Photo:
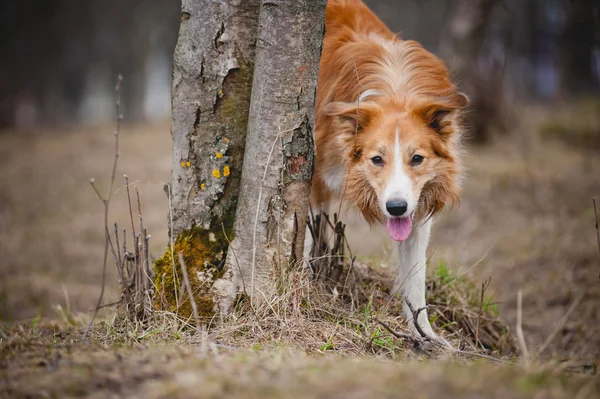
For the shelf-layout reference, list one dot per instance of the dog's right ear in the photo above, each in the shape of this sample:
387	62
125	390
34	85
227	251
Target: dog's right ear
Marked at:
354	115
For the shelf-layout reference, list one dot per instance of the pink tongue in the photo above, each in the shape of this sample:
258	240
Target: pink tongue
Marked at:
399	228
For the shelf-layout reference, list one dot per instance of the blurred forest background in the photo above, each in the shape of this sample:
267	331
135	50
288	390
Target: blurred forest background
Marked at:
530	67
61	57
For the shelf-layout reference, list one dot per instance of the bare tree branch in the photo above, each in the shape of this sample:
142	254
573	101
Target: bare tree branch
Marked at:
106	202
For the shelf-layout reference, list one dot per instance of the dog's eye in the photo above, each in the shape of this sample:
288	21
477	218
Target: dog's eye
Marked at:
377	160
416	160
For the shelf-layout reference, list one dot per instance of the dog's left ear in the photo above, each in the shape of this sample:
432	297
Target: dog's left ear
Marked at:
354	115
439	114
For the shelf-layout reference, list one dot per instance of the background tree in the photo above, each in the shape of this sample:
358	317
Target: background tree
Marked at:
579	44
271	219
212	81
461	47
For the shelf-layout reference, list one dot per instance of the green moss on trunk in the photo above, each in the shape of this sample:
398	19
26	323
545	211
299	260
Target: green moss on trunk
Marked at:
204	254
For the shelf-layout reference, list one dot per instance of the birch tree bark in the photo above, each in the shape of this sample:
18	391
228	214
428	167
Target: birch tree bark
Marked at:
276	177
212	81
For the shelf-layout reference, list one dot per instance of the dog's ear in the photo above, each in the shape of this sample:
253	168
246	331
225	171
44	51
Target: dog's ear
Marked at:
354	115
441	113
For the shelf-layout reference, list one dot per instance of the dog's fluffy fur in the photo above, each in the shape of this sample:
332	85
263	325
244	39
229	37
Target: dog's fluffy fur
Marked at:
387	129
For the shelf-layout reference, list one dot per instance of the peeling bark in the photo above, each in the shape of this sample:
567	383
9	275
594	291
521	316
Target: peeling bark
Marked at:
276	177
212	81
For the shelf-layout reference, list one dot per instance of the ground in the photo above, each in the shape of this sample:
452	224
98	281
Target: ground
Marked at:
525	219
180	372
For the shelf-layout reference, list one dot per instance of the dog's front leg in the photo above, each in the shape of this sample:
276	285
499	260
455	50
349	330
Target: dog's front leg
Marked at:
410	279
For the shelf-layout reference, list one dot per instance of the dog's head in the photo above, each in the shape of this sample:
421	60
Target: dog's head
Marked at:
402	163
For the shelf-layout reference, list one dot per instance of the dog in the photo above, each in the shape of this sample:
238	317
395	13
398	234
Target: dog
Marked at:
387	137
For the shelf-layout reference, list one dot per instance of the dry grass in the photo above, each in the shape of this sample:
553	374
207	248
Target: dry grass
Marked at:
302	315
48	360
525	220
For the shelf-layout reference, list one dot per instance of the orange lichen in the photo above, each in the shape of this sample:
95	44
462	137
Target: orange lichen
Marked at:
226	170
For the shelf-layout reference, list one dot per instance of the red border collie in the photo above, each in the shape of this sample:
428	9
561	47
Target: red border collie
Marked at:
387	134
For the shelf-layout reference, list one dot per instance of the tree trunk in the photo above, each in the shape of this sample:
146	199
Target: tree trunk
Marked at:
580	36
278	165
212	80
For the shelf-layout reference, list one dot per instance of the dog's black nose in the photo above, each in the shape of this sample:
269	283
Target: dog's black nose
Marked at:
396	208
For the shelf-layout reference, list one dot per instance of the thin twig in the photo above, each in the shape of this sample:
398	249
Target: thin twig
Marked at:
188	287
129	201
260	191
467	270
172	247
252	273
596	224
484	286
355	132
400	335
93	184
418	342
235	258
106	305
520	335
357	100
560	325
118	251
415	314
145	275
106	202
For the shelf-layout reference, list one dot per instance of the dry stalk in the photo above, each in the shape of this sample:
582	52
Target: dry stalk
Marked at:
560	325
596	223
135	274
520	335
260	191
146	273
106	202
172	249
484	286
328	262
468	269
188	287
355	131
